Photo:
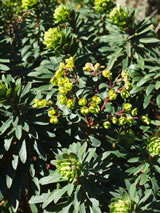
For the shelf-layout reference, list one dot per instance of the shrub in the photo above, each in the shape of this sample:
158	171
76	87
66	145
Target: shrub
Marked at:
79	108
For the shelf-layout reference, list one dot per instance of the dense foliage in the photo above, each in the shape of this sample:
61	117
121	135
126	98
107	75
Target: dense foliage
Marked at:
79	108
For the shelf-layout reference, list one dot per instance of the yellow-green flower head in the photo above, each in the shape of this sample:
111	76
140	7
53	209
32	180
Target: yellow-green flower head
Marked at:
125	94
88	67
51	112
130	120
96	99
28	3
82	101
54	119
94	108
114	120
62	99
154	146
112	95
119	16
122	120
70	103
42	103
134	112
127	107
146	119
61	13
70	63
106	73
106	124
59	73
102	6
121	206
54	38
69	168
84	110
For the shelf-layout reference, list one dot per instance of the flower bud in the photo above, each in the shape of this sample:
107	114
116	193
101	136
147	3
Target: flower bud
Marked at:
125	94
84	110
51	112
146	119
112	95
82	101
122	120
127	107
54	120
134	112
62	99
62	90
70	63
106	73
107	124
96	99
88	67
130	120
114	120
70	103
94	108
42	103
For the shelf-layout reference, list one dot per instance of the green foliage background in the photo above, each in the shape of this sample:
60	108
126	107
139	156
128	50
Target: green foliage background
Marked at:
80	161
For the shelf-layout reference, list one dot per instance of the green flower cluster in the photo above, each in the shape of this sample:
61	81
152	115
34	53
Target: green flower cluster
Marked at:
54	38
28	3
64	85
69	167
93	105
62	68
61	13
40	103
53	117
154	146
126	80
119	16
121	206
102	6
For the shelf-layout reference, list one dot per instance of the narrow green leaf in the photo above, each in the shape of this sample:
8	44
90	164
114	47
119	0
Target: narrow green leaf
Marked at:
149	89
23	152
18	132
147	100
38	199
15	162
54	178
158	100
9	181
4	67
157	85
